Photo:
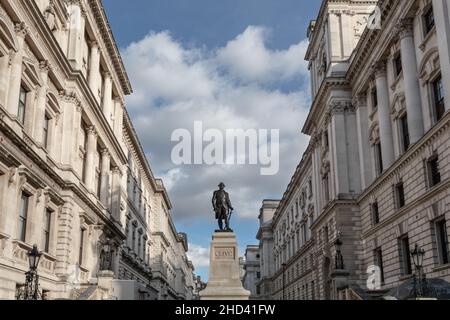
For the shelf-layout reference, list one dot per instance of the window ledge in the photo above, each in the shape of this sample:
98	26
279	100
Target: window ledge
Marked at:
397	79
427	38
443	267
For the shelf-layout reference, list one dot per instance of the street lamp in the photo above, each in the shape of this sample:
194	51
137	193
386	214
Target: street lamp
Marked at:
31	290
284	280
34	256
418	255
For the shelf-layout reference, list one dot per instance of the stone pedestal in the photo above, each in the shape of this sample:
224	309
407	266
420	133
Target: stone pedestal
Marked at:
224	278
105	283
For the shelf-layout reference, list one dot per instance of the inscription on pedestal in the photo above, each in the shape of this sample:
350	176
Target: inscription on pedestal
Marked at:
224	253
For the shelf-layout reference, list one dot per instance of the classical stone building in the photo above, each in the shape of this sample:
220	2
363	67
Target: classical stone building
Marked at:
252	270
73	177
374	180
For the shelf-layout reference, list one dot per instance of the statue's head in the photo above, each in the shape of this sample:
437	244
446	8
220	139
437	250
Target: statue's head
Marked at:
221	185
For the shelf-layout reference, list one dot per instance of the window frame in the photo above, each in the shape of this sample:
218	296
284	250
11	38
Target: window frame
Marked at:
405	255
47	229
378	261
438	95
81	246
441	235
427	26
46	131
24	208
430	174
397	64
404	132
22	104
400	196
375	213
378	155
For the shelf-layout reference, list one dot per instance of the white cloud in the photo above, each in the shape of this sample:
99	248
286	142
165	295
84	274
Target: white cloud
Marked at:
199	255
175	86
249	60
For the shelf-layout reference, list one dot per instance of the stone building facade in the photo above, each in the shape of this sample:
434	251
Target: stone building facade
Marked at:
378	160
252	272
68	154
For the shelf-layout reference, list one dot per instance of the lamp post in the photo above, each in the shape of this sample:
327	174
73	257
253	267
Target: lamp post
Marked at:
284	280
31	277
418	255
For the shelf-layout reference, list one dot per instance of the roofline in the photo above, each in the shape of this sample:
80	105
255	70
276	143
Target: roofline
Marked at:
108	36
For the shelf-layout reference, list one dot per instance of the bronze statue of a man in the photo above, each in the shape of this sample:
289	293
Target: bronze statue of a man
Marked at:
222	207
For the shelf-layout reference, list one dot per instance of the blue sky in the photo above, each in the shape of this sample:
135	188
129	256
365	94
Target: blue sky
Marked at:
230	64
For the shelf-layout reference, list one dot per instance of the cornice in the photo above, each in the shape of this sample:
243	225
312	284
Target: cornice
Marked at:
318	104
110	42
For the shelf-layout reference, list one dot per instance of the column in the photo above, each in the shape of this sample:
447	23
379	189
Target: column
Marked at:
362	124
15	80
118	119
116	191
441	15
107	96
4	78
90	158
106	164
67	149
76	33
94	69
41	102
384	114
9	190
339	148
411	81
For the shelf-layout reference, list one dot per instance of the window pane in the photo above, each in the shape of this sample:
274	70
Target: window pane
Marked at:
433	171
400	195
398	65
429	20
81	249
441	230
405	132
23	212
47	226
22	105
378	159
405	255
45	131
379	262
375	213
439	98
